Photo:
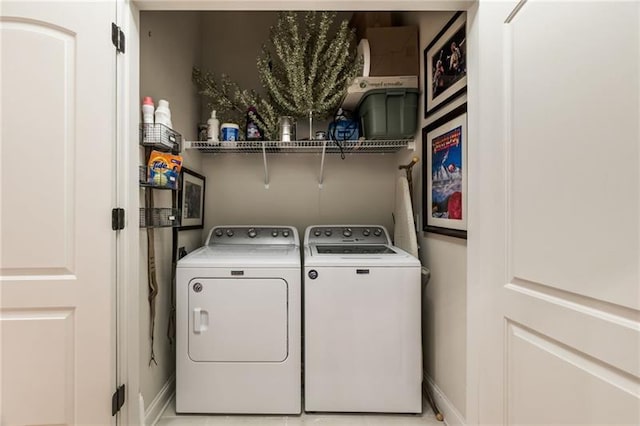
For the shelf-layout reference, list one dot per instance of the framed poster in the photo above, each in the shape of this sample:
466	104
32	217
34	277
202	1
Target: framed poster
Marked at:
445	64
191	200
444	187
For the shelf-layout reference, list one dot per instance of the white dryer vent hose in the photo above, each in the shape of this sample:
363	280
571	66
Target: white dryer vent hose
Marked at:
364	52
141	416
404	232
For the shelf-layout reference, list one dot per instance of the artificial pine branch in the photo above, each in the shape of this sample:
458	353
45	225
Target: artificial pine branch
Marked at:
308	72
221	95
232	103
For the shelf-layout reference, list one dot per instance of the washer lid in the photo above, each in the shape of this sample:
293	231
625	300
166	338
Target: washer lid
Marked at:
246	256
375	255
353	249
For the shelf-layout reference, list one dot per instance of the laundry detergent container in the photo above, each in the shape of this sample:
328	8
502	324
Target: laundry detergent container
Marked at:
389	113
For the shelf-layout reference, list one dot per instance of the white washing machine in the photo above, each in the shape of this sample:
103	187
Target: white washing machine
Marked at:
362	322
238	319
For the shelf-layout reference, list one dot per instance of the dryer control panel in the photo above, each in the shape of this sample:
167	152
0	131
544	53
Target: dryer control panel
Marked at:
258	235
347	234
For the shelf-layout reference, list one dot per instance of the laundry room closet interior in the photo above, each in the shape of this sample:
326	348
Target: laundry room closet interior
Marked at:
359	189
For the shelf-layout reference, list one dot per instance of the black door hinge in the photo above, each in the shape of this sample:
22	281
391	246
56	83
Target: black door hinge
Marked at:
117	219
117	400
117	37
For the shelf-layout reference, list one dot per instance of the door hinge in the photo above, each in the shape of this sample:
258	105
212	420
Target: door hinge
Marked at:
117	400
117	37
117	219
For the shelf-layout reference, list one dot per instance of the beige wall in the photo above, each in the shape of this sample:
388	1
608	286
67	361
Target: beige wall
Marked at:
358	189
444	316
169	48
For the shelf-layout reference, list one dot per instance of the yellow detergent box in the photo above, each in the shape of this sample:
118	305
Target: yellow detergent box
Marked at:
164	169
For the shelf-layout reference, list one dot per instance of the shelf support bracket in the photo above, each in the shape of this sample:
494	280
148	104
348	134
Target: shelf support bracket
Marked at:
321	178
266	169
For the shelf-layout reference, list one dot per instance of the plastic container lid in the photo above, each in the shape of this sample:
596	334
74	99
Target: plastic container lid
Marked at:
391	91
230	125
148	100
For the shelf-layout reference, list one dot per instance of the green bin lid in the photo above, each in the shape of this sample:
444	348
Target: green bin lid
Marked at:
390	91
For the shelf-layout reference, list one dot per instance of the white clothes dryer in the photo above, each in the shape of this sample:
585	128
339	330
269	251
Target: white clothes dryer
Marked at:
238	322
362	322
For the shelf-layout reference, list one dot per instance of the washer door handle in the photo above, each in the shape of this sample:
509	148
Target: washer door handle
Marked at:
199	325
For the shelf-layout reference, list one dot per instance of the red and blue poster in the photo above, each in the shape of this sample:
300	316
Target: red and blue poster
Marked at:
446	175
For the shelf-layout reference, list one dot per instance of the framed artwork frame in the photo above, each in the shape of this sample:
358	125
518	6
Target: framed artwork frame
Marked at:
191	200
444	171
445	64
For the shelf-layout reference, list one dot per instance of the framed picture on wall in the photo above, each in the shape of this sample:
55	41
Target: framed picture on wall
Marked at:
191	200
444	171
445	64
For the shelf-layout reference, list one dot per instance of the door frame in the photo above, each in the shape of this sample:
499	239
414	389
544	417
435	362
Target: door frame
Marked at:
128	327
128	339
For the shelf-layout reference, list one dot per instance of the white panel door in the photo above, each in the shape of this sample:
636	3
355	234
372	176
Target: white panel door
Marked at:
57	183
554	242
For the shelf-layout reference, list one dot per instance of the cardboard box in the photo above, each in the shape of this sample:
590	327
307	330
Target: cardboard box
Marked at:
363	20
394	51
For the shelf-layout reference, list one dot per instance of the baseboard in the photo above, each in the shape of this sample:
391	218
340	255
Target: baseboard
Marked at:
452	416
163	398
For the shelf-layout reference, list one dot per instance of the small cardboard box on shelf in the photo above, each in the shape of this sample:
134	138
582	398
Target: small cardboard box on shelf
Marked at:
360	21
394	51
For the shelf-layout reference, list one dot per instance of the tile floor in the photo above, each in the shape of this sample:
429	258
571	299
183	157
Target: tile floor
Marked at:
169	417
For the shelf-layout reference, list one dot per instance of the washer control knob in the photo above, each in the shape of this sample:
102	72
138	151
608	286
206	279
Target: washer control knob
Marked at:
313	274
252	233
285	233
219	232
347	232
377	232
366	232
317	232
229	232
327	232
274	233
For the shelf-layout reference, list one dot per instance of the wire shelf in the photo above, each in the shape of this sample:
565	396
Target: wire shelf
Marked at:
143	179
330	147
159	217
160	137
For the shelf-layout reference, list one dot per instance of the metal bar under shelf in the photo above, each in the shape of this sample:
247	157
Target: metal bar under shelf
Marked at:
266	168
321	177
316	146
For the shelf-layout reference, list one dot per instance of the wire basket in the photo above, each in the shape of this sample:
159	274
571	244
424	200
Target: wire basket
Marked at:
159	217
160	137
142	176
143	179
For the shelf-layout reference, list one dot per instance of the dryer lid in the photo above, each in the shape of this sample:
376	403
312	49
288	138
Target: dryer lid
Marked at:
246	256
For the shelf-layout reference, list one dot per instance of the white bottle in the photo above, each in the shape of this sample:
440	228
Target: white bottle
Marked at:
147	110
213	128
163	113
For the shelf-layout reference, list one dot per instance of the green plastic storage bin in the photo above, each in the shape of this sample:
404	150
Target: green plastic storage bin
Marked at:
389	113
